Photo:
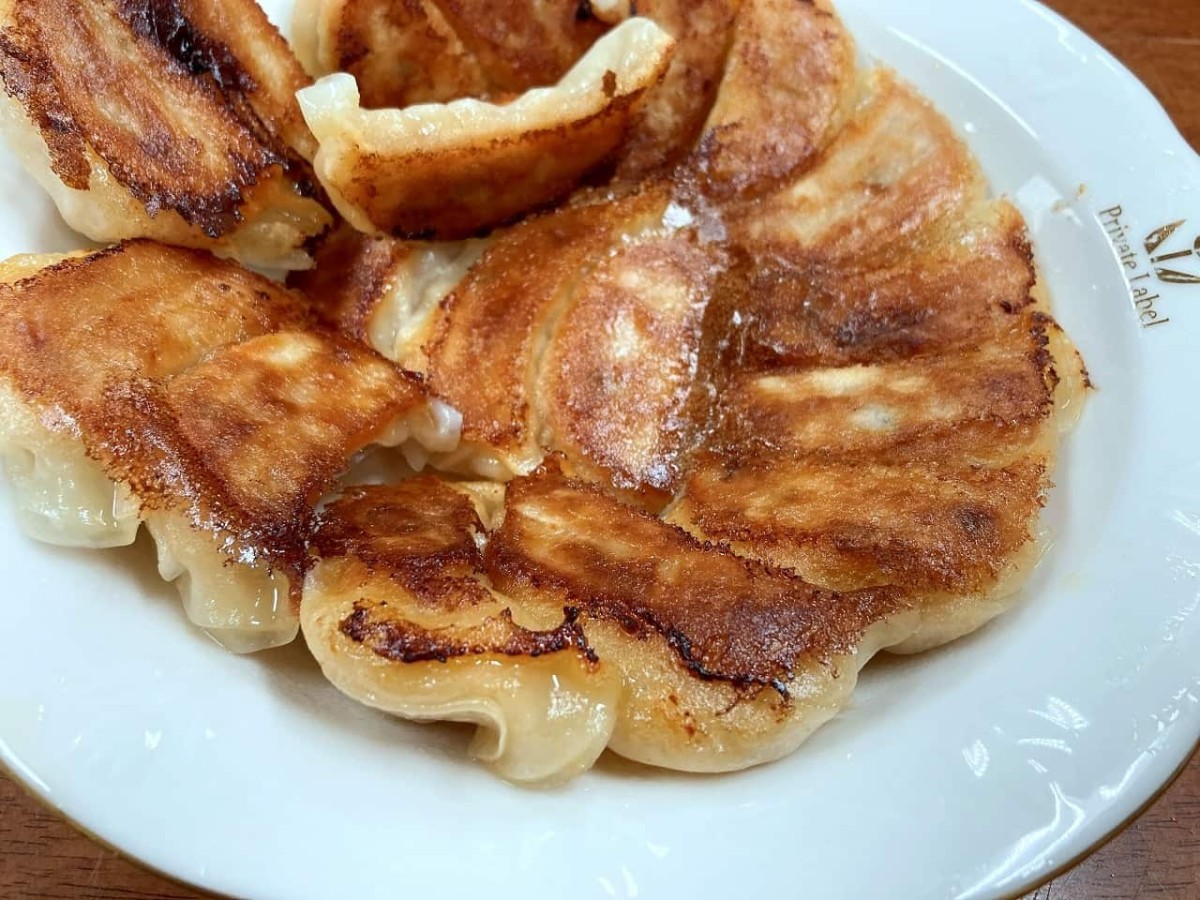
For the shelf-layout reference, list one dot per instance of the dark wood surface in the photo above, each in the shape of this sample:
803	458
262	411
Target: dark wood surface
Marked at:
1157	856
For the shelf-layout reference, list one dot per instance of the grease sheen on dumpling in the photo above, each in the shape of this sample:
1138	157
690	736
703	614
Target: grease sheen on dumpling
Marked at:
200	397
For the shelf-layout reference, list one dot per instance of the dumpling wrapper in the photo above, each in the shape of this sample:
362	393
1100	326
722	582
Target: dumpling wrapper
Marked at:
450	171
385	291
776	109
176	122
584	623
897	389
149	383
398	612
403	52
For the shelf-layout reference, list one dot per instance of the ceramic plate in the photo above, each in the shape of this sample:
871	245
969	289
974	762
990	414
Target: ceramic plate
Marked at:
974	771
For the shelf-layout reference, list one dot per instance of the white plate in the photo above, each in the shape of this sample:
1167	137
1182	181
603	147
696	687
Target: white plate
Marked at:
973	771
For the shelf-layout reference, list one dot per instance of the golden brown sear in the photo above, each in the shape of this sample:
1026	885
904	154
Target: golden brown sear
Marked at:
625	384
965	288
453	170
76	329
522	44
139	310
172	119
401	52
894	394
219	38
668	650
978	405
776	109
725	619
929	473
353	274
420	532
404	52
673	115
486	349
186	378
259	431
894	182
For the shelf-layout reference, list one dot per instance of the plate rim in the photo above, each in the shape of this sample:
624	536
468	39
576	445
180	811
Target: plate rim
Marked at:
1147	101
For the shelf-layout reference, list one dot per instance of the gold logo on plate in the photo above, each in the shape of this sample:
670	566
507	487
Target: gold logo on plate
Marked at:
1167	260
1156	240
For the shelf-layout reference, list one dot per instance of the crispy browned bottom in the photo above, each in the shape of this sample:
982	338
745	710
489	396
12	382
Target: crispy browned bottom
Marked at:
202	388
585	623
174	120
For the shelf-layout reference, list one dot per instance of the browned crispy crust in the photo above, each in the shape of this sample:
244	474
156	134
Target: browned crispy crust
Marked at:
137	310
387	634
721	618
954	294
188	104
672	118
473	185
625	385
724	618
604	307
847	526
788	86
519	44
420	533
860	446
421	536
218	39
881	257
259	430
975	404
351	276
895	183
402	52
487	347
889	409
172	369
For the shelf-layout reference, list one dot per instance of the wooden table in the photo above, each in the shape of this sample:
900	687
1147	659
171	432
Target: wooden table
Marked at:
1157	856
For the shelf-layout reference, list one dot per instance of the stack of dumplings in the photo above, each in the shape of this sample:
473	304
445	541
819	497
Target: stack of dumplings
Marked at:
701	361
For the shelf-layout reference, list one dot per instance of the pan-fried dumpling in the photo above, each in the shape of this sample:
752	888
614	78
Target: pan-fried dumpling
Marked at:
386	291
141	309
502	312
172	121
672	117
928	473
402	52
593	320
776	109
216	414
399	614
584	623
449	171
895	392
